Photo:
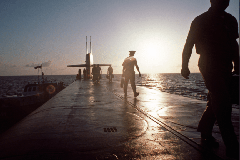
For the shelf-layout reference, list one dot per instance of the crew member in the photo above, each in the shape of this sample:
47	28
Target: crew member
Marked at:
98	72
110	73
84	73
129	73
94	73
214	35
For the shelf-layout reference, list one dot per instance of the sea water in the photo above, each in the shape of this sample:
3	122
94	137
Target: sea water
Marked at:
174	83
16	84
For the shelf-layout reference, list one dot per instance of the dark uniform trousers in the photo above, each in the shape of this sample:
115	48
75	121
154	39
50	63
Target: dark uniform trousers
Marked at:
217	80
129	76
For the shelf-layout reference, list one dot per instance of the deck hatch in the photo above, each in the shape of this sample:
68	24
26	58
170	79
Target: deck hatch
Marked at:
113	129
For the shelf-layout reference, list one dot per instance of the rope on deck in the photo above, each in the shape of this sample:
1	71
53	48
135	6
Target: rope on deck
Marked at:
187	140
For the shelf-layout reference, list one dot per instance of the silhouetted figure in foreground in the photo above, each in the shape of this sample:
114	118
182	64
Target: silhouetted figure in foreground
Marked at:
214	34
129	73
110	73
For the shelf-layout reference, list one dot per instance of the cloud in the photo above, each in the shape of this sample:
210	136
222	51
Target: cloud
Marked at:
31	65
12	66
44	64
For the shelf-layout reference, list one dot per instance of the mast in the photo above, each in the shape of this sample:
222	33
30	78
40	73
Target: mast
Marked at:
86	46
90	45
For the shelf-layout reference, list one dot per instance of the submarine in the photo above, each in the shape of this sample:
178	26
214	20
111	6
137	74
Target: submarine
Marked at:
89	62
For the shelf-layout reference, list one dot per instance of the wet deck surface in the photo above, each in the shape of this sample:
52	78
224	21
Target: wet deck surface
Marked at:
87	121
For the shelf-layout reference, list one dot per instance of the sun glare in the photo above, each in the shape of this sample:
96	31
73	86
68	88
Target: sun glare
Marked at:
155	52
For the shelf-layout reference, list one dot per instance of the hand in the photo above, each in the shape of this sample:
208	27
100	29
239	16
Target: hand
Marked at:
139	74
235	72
185	72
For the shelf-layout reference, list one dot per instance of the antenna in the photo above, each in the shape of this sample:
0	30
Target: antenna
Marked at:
90	45
86	46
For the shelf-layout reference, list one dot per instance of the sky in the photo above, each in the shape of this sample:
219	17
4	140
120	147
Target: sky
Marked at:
53	33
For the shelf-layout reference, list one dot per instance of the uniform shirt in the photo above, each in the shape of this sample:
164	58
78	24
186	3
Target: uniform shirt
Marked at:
213	36
129	63
110	70
94	70
98	69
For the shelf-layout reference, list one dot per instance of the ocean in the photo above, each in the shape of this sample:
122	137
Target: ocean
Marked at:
172	83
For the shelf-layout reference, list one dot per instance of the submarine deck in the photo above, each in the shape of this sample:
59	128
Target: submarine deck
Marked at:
96	121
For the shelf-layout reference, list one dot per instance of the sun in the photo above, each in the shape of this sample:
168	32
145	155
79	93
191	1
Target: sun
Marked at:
151	49
156	52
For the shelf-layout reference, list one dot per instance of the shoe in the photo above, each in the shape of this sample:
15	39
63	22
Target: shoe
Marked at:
136	94
233	152
209	141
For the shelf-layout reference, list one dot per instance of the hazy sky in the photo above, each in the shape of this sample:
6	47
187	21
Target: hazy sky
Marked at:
53	32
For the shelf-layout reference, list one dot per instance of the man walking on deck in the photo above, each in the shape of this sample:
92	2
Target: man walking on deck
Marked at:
110	73
214	34
84	73
98	72
129	73
94	73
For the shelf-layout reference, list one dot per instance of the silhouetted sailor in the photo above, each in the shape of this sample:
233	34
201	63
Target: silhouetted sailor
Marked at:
129	73
88	73
79	75
99	71
84	73
214	35
110	73
94	73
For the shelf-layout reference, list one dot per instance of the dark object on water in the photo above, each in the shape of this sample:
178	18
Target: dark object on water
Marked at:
15	107
235	89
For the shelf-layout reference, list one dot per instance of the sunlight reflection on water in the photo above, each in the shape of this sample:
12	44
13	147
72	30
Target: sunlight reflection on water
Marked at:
174	83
